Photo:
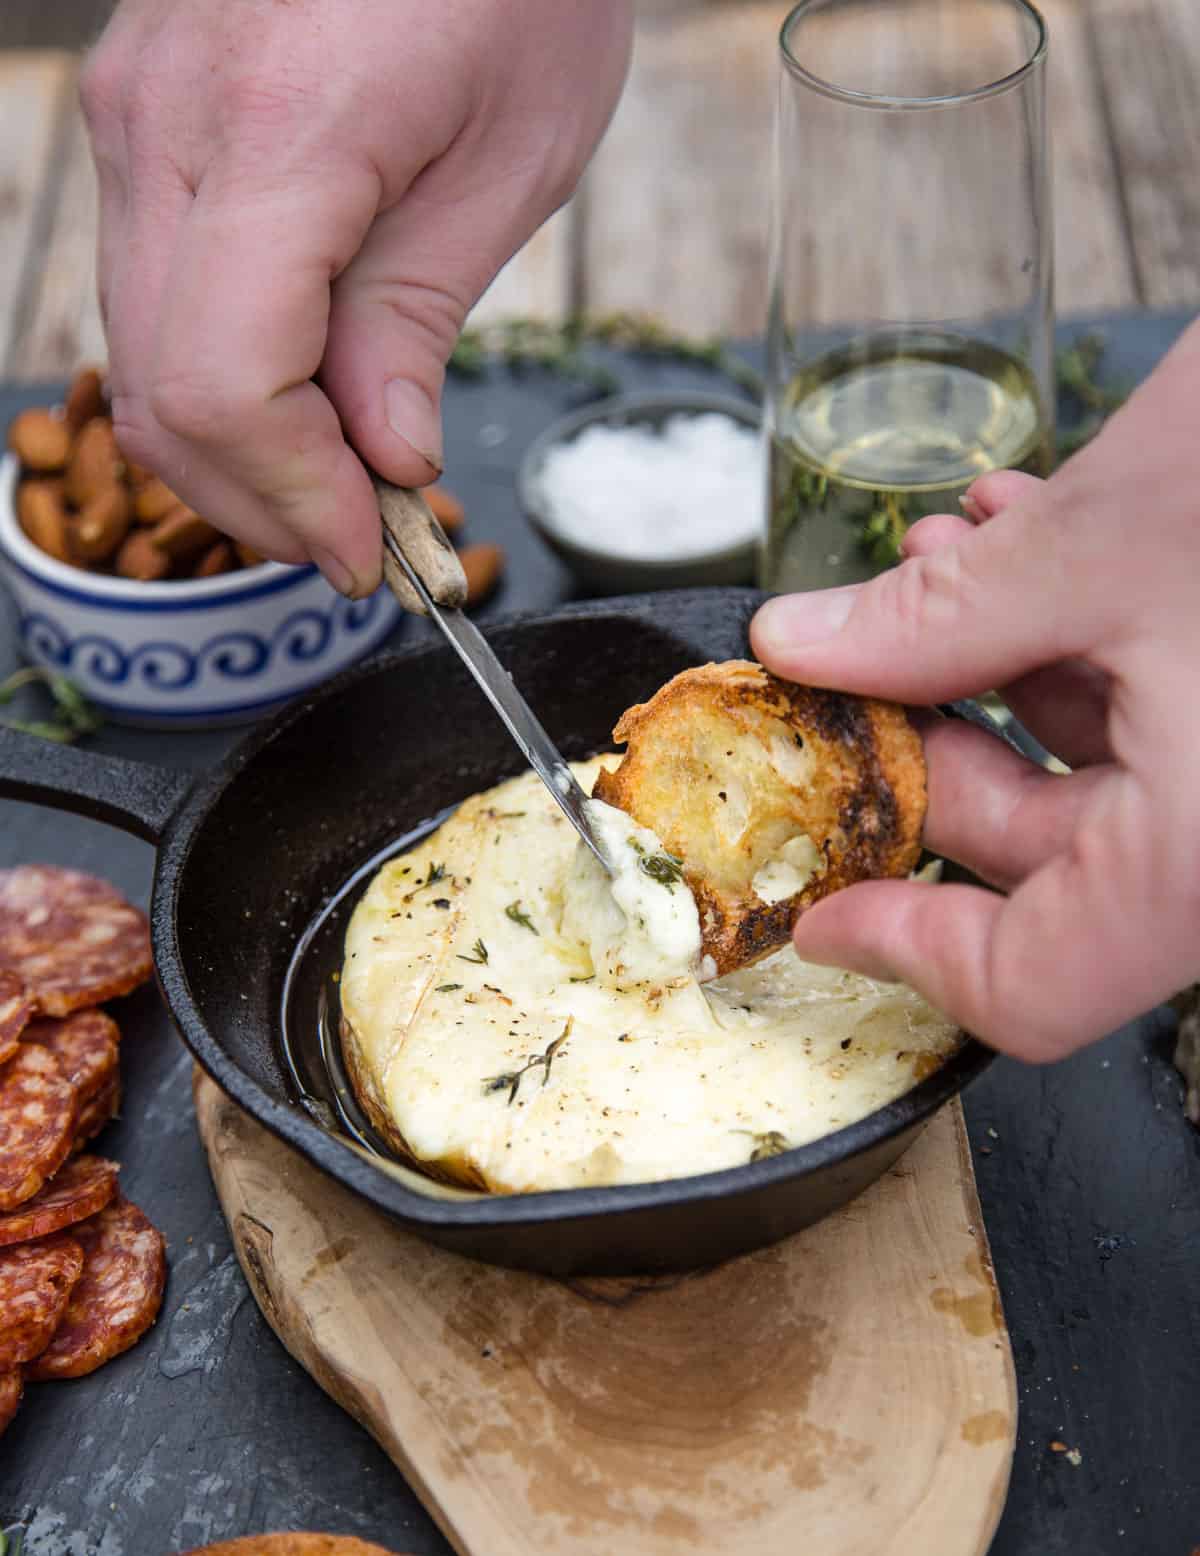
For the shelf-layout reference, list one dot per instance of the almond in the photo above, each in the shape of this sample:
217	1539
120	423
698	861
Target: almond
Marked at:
483	565
445	507
183	533
95	464
153	500
217	559
101	526
85	399
140	558
40	440
43	516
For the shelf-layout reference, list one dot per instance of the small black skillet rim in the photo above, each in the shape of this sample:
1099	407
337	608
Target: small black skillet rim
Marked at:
168	807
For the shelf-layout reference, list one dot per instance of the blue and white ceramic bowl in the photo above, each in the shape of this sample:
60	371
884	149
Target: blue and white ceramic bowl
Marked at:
191	653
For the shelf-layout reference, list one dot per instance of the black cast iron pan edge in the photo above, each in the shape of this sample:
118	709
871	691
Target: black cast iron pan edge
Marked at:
168	807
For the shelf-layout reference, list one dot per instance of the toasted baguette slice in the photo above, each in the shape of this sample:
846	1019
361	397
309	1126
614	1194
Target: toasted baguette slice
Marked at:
734	770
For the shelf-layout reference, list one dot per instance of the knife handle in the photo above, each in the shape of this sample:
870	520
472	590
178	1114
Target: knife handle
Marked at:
407	518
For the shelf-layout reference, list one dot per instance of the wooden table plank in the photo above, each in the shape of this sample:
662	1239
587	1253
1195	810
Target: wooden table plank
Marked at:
32	90
61	327
1148	54
1092	244
536	282
676	202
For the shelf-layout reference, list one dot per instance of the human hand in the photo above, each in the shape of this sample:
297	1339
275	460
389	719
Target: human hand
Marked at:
298	205
1077	599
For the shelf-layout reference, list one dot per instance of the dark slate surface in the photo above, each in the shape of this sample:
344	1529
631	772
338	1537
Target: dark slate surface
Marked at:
1088	1173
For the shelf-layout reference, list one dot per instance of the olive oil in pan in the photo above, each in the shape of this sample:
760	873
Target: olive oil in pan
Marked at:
878	434
311	1013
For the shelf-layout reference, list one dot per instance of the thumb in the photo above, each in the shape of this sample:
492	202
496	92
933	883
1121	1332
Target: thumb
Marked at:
396	313
966	617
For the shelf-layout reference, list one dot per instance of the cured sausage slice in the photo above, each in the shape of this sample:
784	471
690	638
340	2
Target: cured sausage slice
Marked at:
86	1046
80	1188
72	937
16	1007
93	1115
11	1385
118	1295
38	1112
36	1281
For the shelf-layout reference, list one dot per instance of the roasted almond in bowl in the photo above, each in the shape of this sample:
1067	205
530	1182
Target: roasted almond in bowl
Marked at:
182	653
515	1020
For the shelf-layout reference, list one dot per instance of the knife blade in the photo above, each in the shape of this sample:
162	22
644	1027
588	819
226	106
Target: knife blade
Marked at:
417	546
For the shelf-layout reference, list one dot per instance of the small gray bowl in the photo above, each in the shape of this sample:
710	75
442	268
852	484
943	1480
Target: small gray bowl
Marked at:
604	572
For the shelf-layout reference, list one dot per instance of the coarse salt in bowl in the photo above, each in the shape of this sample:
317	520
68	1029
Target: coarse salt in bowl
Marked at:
650	491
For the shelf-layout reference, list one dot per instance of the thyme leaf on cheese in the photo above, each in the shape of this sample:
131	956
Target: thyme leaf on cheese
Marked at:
511	1079
479	956
513	911
447	988
663	868
770	1144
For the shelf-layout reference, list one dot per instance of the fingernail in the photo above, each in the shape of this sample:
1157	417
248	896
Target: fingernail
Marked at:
414	418
334	569
972	507
792	619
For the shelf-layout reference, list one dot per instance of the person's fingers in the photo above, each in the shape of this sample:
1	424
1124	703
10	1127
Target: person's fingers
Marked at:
990	494
992	810
932	533
1065	706
398	309
1037	974
241	336
1012	596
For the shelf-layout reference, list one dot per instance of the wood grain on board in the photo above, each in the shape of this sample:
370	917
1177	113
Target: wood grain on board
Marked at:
849	1391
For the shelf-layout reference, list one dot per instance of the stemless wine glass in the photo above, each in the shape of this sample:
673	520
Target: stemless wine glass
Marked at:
910	331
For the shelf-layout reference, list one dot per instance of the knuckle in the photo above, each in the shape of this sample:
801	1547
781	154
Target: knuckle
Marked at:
102	88
192	407
929	594
136	436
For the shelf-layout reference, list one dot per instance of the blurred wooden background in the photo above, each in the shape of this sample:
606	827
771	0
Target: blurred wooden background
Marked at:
671	218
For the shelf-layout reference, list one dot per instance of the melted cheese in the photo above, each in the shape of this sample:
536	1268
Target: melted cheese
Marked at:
519	1035
638	927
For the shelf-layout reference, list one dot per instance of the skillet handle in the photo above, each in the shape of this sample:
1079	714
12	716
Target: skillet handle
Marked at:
408	520
136	796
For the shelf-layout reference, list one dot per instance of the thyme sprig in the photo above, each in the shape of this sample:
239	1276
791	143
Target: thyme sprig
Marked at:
513	911
664	868
479	956
72	714
772	1143
511	1079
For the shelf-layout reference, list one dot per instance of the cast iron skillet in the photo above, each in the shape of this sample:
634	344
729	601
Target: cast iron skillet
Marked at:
249	852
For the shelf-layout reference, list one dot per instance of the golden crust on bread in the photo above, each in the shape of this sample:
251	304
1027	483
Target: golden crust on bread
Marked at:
727	764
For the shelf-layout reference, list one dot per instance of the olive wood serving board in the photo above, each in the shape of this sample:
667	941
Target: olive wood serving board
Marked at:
848	1392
